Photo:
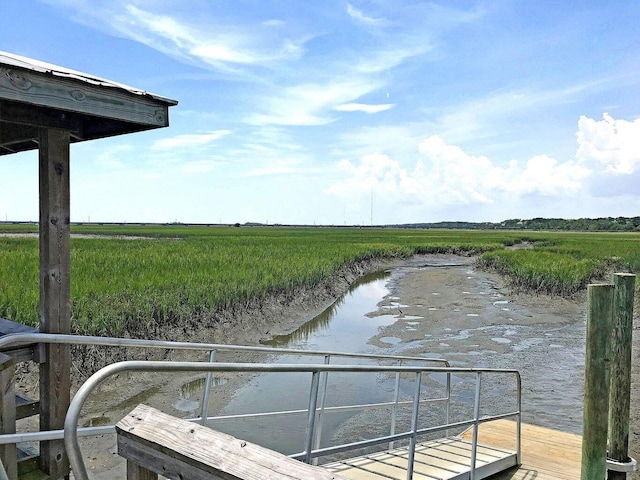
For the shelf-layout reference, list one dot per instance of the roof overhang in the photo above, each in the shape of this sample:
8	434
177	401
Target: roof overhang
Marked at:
35	95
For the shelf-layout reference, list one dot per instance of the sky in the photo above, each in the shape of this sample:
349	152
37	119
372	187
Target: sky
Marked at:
347	112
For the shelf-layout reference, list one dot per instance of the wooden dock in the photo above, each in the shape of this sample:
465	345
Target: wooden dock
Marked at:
445	459
547	454
156	443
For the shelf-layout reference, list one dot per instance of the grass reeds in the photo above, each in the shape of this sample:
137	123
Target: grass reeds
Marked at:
174	275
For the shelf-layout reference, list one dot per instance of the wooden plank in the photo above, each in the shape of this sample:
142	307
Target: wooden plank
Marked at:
547	454
178	449
447	458
8	453
136	472
353	473
55	241
74	95
421	468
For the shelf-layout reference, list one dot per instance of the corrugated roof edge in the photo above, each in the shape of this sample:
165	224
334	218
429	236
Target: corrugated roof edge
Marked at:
14	60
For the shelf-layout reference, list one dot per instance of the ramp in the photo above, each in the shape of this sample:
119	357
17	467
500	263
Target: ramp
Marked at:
445	459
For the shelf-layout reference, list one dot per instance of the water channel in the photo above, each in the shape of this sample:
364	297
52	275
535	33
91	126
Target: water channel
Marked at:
486	329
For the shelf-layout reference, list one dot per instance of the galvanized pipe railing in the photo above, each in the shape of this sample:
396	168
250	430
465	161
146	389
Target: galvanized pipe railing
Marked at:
71	421
21	339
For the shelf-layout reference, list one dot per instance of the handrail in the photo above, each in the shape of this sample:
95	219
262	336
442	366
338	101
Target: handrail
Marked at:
71	421
21	339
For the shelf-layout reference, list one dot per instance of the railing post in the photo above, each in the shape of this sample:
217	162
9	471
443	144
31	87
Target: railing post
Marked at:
311	418
620	393
519	422
596	382
476	426
204	408
394	409
323	395
414	426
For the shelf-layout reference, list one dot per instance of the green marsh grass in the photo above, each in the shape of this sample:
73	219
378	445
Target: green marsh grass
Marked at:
124	277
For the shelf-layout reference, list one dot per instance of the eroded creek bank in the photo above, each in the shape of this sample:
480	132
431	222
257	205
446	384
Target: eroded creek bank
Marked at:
435	305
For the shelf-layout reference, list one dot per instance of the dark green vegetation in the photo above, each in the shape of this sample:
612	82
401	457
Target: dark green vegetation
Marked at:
179	275
605	224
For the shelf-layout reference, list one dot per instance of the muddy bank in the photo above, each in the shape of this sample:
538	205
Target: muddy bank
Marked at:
441	305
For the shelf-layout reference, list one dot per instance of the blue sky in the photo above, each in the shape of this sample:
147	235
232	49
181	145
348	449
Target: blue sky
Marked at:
347	112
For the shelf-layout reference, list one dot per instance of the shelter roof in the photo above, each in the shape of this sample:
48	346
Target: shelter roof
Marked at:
35	94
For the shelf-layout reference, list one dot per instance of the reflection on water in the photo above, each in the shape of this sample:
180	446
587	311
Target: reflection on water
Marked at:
374	289
344	327
191	392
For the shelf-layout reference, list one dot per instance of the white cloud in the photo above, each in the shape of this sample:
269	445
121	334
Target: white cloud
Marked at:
198	37
610	144
199	166
282	167
477	118
194	140
363	107
359	16
447	175
308	103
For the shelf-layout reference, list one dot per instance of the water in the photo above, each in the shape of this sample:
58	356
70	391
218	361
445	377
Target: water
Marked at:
504	334
343	327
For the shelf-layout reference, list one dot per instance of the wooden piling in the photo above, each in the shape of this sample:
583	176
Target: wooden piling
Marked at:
620	385
596	382
55	304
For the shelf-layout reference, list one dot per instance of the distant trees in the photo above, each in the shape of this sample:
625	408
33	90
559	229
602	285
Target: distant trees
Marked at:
605	224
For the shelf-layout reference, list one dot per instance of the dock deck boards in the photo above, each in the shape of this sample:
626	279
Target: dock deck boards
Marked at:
445	459
546	455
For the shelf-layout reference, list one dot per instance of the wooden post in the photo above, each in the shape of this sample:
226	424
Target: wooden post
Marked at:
55	243
8	413
138	472
596	382
620	395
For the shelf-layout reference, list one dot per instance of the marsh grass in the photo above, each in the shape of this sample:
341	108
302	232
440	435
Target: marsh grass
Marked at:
177	275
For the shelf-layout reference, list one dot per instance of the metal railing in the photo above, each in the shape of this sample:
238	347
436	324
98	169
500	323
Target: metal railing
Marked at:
71	422
23	339
316	407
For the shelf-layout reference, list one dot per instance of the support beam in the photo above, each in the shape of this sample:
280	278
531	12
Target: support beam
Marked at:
55	304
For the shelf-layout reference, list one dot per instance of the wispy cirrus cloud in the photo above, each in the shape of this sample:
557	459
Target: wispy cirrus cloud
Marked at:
283	167
310	103
359	16
364	107
207	40
193	140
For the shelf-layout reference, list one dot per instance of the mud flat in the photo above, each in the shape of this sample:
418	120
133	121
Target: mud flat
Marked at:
441	305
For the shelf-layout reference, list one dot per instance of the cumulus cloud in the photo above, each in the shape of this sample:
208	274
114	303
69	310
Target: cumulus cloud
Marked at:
611	144
446	175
